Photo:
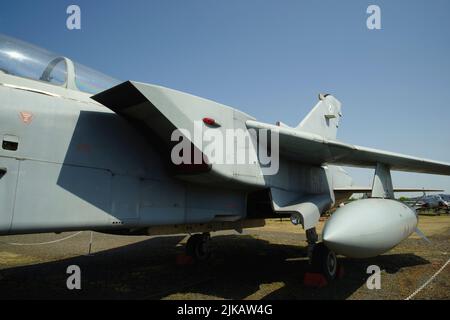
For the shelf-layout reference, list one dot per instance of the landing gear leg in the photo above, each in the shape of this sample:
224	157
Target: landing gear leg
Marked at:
198	246
311	238
321	258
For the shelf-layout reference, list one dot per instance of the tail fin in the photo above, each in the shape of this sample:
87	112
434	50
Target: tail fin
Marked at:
324	118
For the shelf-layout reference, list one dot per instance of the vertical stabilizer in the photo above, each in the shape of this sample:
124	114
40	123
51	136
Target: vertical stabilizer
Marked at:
324	117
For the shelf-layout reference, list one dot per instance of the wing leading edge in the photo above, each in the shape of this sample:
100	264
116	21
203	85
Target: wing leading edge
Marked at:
357	189
314	149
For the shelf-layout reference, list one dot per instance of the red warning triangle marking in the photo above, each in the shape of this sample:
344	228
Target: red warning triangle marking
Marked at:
26	117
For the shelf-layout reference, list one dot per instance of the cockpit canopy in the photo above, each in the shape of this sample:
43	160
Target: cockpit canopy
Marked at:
24	60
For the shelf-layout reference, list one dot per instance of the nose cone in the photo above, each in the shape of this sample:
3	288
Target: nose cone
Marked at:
367	228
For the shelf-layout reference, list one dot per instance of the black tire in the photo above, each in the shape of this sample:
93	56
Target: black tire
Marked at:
324	261
197	247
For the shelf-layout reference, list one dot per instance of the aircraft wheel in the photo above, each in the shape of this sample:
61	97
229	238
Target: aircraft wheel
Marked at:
198	246
324	260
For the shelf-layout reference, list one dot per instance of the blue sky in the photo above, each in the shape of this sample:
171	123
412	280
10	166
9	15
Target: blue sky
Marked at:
271	59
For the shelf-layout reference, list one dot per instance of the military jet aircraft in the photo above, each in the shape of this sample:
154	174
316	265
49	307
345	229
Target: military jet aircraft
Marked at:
435	202
82	151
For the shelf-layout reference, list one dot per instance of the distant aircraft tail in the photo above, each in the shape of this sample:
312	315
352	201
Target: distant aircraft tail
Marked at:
324	118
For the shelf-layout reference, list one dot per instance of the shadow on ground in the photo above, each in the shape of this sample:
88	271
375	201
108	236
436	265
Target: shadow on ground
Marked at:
241	267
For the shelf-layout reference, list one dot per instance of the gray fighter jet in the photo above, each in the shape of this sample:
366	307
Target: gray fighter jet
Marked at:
434	202
82	151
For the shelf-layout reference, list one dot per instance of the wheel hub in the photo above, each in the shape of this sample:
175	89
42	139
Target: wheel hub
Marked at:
331	262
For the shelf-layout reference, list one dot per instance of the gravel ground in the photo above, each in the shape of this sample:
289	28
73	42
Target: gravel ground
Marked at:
262	263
